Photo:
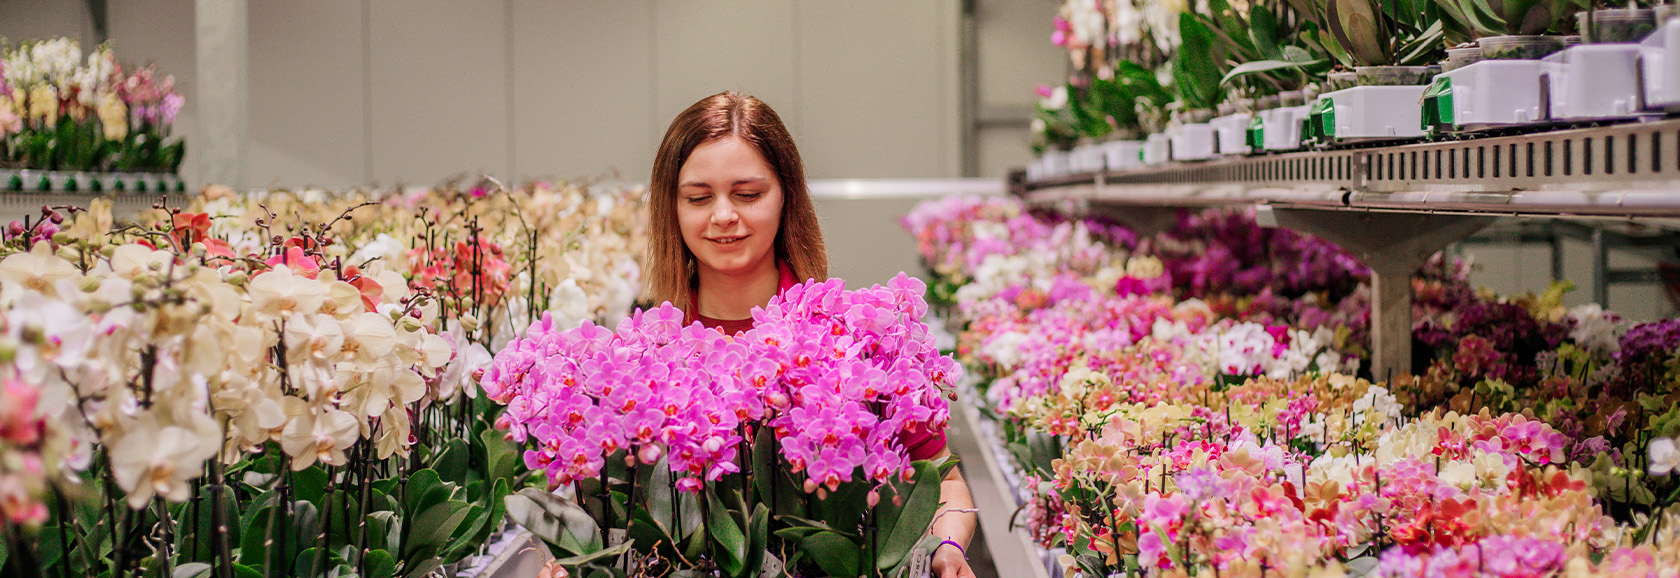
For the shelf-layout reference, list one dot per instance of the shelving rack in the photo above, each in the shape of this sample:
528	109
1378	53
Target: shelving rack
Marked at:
1395	205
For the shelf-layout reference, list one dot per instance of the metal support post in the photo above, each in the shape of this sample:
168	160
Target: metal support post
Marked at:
1600	268
1393	246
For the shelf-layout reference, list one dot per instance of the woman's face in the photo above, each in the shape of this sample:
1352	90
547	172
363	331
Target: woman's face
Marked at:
729	206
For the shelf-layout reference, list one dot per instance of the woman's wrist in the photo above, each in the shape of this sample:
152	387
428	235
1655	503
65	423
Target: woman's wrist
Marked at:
954	544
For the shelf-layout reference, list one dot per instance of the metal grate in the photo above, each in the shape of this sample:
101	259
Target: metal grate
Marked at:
1587	159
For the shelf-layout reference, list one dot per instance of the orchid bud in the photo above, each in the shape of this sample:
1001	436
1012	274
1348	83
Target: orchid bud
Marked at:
237	278
466	303
411	324
898	500
469	323
63	238
15	228
69	254
650	454
396	314
107	251
873	498
56	217
98	306
8	352
90	284
810	485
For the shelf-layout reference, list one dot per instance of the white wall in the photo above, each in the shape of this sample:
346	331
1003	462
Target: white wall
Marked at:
386	91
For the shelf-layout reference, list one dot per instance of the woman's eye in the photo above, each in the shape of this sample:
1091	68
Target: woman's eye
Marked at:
699	199
749	196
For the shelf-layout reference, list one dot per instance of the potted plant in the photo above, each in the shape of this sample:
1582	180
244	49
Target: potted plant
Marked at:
1659	62
1388	47
1502	88
1599	79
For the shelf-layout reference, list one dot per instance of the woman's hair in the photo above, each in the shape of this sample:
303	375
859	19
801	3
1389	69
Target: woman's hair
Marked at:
670	265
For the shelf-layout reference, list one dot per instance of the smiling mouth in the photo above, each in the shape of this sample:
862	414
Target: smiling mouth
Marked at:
726	241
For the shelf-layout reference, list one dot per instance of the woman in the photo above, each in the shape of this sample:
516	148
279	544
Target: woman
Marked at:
733	225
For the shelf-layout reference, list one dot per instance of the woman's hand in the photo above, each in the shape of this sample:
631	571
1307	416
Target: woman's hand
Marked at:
948	562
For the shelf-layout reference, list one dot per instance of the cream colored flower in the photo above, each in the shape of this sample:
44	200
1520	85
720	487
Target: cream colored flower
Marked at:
37	270
1665	457
278	293
319	437
394	431
151	460
372	393
113	116
342	299
368	337
130	261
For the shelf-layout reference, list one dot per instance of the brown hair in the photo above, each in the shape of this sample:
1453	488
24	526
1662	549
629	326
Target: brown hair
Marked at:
671	270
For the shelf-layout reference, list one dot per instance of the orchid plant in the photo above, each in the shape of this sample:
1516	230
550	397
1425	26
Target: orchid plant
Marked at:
226	389
59	111
782	447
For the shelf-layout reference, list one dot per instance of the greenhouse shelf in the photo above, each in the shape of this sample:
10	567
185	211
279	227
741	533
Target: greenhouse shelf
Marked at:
1396	205
18	205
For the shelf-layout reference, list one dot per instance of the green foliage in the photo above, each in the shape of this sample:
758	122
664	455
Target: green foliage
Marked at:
1196	70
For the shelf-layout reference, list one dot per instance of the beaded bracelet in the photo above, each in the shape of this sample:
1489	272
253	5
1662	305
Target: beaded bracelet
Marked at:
960	549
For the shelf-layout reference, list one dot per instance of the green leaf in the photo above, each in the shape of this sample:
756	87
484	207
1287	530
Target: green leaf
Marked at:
451	463
188	570
597	555
380	564
1260	66
5	553
422	491
243	571
1263	31
484	525
1355	27
836	554
310	484
724	529
382	532
1195	72
252	550
758	541
422	568
552	517
310	563
913	520
434	527
503	455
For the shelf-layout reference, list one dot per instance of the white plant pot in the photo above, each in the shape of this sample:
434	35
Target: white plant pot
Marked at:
1193	142
1659	57
1491	94
1374	113
59	179
1087	158
1232	133
1055	164
1593	82
6	176
1281	128
1123	154
1157	149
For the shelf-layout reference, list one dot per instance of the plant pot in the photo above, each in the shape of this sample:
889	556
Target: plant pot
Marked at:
1340	81
1460	57
1231	133
1592	82
1366	113
1055	164
1393	75
1659	63
1483	95
1123	154
1278	129
1085	159
1193	142
1620	25
1157	149
60	180
1520	47
10	181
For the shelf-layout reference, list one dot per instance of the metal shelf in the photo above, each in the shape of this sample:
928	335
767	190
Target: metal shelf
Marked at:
1623	170
1435	193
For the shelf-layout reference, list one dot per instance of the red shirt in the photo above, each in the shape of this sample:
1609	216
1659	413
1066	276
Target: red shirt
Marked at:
920	445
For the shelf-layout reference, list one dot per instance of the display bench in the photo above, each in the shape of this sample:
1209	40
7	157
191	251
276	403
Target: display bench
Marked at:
20	205
1394	206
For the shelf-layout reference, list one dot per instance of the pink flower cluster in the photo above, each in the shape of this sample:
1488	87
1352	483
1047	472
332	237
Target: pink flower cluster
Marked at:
22	470
840	375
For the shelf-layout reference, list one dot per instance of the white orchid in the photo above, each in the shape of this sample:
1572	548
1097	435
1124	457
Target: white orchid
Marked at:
319	437
37	270
155	459
278	293
1665	456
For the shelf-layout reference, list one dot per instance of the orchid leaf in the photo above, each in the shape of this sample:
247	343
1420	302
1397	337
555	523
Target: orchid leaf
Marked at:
554	519
913	519
1354	25
1248	68
1229	22
1194	70
728	534
836	554
1424	49
1263	31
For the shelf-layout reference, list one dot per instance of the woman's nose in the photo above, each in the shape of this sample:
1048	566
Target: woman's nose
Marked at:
723	213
